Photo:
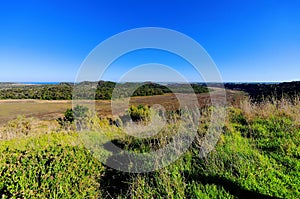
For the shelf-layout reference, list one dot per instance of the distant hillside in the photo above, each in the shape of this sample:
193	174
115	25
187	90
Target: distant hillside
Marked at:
260	91
101	90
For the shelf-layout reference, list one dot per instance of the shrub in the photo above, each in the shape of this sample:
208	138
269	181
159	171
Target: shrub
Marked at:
78	115
139	113
52	172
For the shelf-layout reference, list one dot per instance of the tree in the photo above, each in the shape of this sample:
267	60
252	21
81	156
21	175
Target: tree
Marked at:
78	115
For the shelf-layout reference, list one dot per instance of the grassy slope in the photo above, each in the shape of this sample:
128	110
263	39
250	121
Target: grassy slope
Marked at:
256	157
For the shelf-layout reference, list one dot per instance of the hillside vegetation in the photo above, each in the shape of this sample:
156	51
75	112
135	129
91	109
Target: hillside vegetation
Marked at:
101	90
257	156
268	91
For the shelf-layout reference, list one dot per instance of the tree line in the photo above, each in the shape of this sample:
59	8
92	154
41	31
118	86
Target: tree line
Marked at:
268	91
102	90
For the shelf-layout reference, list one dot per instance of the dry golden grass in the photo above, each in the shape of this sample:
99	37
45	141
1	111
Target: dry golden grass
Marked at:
266	109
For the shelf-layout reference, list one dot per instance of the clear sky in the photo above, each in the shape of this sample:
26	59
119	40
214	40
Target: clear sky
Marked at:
249	40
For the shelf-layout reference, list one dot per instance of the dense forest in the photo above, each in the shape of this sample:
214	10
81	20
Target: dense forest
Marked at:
260	91
101	90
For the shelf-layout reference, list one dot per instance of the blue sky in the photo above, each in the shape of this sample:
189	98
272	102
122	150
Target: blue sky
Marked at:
248	40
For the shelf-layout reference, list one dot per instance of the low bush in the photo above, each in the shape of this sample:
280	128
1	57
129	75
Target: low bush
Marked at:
139	113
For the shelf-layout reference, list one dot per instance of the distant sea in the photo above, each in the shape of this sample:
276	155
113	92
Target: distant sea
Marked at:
38	83
164	83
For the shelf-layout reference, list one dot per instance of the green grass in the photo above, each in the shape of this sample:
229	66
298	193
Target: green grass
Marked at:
50	166
257	156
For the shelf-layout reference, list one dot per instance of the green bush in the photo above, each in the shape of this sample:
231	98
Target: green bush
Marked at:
55	172
139	113
78	115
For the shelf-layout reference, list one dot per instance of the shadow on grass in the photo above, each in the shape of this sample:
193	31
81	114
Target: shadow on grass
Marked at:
5	192
116	183
232	187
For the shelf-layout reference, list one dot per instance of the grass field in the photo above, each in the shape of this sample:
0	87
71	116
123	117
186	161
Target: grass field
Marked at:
257	156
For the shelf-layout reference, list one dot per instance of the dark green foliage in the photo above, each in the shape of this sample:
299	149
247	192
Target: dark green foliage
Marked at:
78	115
101	90
188	88
69	116
260	91
67	120
80	112
43	92
151	89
